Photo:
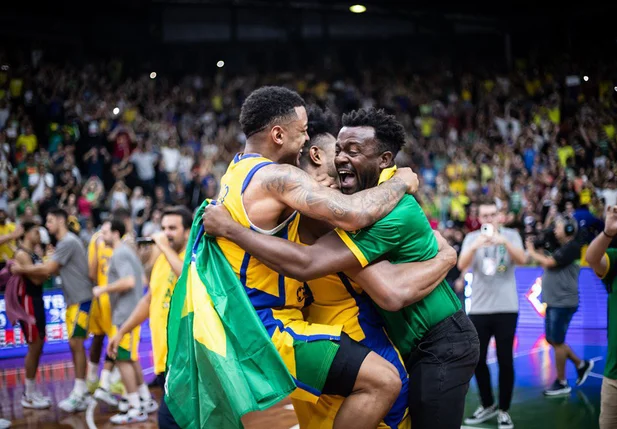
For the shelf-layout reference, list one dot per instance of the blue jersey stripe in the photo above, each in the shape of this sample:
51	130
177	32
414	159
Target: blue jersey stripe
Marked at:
306	387
251	173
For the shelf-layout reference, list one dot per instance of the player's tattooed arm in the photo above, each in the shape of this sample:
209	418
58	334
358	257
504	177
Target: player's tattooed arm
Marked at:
298	190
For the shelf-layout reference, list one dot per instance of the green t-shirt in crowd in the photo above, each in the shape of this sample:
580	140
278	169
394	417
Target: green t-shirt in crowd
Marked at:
610	279
405	235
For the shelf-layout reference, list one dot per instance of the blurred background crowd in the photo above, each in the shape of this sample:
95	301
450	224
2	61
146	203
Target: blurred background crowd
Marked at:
91	139
90	131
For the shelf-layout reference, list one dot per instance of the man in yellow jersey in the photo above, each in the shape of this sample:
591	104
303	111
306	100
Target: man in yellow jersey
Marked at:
168	257
100	321
339	300
266	192
434	336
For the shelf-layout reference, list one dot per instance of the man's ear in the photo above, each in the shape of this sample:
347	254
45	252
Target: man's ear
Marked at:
276	133
386	160
315	155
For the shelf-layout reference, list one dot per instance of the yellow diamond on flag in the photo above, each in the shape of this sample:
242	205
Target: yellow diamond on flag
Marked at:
207	326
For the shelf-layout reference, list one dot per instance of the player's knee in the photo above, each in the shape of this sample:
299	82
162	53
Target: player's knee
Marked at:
76	343
37	345
392	382
380	377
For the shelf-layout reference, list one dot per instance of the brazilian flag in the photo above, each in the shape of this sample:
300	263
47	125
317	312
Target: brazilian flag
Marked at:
221	362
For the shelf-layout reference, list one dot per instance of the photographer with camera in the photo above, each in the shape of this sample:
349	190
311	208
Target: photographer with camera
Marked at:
560	294
491	253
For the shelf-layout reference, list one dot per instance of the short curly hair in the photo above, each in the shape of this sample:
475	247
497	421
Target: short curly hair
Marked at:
267	105
389	133
320	122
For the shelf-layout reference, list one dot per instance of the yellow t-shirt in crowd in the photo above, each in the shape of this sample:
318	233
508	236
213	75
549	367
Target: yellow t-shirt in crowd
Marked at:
130	115
458	185
585	196
427	124
564	153
15	87
29	143
532	86
486	173
554	115
457	207
7	249
217	103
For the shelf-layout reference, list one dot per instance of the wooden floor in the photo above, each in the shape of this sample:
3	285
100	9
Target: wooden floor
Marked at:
534	366
281	416
56	381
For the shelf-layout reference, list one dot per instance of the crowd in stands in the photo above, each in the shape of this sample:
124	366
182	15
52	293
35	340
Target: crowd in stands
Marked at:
92	138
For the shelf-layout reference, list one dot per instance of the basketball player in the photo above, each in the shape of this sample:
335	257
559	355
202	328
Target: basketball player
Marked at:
100	324
32	302
71	262
125	288
169	257
434	336
266	195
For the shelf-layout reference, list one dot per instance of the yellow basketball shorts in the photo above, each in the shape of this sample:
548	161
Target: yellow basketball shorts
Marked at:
127	349
100	319
77	319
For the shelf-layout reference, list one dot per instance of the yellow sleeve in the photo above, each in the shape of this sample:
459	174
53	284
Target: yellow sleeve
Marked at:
352	246
92	247
608	266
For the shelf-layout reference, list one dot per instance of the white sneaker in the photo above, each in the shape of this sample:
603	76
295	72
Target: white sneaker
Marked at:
35	401
105	396
131	416
482	414
74	403
504	421
40	396
123	405
149	406
5	424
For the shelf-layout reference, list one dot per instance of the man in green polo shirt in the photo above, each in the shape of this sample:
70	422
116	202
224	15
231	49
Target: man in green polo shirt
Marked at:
435	337
604	262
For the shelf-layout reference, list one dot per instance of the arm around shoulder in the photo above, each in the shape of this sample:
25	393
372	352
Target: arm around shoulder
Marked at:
299	191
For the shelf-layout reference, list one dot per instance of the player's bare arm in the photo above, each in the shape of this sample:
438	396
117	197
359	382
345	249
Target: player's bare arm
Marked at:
45	269
329	255
298	190
24	260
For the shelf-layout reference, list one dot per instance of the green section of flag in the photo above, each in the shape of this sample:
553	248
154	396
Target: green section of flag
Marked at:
221	362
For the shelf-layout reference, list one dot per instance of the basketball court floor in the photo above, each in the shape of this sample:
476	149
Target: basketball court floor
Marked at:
534	365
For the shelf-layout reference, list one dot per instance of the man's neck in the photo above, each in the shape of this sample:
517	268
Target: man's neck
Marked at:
116	244
262	149
180	249
61	233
